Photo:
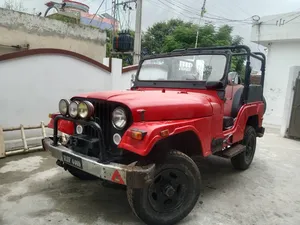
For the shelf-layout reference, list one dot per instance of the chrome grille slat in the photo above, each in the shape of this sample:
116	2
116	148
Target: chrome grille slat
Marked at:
102	115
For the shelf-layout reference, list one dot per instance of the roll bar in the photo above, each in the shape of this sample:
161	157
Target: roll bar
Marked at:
235	50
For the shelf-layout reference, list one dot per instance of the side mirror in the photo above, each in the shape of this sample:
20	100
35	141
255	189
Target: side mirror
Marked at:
233	78
213	84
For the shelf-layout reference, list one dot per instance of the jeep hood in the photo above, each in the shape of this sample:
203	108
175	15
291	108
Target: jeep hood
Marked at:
158	105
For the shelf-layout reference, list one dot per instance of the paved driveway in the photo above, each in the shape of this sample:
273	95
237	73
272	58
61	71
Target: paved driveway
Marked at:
33	190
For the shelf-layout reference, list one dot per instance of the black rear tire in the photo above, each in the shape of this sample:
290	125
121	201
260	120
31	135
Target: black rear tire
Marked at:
243	160
173	193
81	174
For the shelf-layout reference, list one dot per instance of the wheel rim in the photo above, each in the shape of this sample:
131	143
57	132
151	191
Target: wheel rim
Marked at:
168	191
250	149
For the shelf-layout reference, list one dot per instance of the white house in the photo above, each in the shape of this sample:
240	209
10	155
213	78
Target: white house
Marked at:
280	34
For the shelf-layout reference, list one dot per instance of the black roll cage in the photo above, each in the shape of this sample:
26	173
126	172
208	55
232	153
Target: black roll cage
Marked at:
229	51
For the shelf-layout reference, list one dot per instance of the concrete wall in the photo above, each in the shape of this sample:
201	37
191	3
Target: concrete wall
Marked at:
21	29
281	58
31	86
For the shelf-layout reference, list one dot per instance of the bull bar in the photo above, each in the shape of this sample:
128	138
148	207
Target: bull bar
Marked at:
130	175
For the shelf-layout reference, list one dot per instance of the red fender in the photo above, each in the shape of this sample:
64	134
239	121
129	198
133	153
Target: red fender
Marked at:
64	126
201	127
251	109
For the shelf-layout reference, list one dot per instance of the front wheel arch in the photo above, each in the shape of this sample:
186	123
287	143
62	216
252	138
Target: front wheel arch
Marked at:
186	142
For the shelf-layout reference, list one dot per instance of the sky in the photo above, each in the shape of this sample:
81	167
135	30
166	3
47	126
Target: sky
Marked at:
161	10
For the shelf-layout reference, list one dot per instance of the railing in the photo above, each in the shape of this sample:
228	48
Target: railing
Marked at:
26	147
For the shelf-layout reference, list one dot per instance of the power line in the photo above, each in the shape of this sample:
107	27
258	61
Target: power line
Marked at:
292	19
171	5
105	10
193	9
180	7
172	8
243	10
222	9
97	11
193	16
280	17
187	6
212	16
167	9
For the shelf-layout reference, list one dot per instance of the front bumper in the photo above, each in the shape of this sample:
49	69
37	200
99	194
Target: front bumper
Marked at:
130	175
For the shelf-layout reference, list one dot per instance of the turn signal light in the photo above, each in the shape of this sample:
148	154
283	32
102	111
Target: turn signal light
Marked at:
137	134
164	133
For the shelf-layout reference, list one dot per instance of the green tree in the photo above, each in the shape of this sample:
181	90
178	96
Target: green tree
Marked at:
154	38
175	34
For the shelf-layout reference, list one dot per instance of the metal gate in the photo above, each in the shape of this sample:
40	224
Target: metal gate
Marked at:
294	127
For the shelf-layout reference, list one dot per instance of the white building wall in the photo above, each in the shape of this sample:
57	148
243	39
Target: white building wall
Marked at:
277	28
281	57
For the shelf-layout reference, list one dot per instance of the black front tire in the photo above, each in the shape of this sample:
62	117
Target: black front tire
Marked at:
81	174
173	193
243	160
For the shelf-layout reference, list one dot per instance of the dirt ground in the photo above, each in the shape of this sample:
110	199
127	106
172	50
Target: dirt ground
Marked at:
33	190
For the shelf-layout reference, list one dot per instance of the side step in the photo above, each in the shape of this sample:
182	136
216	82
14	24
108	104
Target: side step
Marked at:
233	151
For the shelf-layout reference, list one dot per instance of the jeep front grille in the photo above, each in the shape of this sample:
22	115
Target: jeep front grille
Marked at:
102	115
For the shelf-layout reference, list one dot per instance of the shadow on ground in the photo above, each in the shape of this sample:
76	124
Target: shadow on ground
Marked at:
87	201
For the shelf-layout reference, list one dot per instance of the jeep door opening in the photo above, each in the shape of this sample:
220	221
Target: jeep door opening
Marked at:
182	104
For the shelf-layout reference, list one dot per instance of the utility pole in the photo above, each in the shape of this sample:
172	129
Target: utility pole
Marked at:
201	16
114	8
138	32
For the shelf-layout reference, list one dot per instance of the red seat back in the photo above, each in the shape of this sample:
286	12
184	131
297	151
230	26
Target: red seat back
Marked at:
230	91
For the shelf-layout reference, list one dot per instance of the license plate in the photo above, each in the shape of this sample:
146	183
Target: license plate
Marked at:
72	160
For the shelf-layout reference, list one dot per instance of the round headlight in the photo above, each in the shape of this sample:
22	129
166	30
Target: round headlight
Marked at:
119	118
73	109
85	109
63	106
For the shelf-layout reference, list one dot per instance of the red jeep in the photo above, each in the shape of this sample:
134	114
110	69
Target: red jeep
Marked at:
182	104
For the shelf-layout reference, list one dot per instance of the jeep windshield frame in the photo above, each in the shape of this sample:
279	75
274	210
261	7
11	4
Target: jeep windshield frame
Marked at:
189	84
228	51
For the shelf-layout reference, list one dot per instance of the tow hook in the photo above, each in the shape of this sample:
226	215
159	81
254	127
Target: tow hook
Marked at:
59	163
62	164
